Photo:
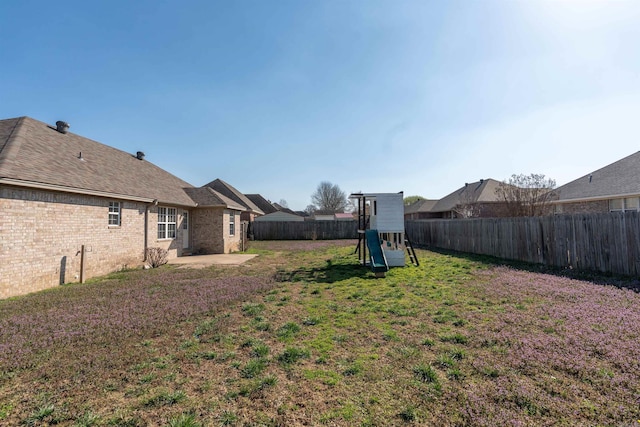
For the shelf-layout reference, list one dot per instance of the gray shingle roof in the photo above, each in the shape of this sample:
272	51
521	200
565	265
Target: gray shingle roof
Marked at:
422	205
480	191
263	204
34	153
229	191
621	178
208	197
283	209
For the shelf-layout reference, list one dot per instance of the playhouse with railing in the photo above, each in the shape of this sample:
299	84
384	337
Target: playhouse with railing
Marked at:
382	241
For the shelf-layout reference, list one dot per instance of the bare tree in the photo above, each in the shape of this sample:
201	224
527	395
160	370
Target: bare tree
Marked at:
467	209
283	203
412	199
468	206
329	198
310	209
527	195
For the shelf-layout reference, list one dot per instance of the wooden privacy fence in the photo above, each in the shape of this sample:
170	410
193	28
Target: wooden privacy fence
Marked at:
304	230
606	242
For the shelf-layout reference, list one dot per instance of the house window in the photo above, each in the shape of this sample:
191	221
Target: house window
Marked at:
114	213
232	223
626	204
631	204
616	205
166	223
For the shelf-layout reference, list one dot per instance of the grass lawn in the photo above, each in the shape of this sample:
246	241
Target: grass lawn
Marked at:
303	335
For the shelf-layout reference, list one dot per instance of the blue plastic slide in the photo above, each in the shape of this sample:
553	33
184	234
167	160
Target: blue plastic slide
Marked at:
378	260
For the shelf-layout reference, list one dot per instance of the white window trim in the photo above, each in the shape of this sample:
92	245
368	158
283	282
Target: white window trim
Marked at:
232	223
165	216
115	212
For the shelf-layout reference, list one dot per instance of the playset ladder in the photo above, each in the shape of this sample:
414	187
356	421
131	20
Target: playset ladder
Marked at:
410	251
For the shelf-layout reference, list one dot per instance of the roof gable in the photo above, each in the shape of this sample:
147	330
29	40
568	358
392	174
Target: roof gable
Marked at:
33	153
620	178
475	192
229	191
207	197
281	208
421	205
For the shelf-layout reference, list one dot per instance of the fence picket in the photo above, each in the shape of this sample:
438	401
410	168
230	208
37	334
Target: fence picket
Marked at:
304	230
606	242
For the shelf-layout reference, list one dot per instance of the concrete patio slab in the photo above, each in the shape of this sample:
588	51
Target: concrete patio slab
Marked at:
201	261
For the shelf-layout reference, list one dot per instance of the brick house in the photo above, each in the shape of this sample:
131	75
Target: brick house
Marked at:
420	209
216	222
473	200
615	187
61	193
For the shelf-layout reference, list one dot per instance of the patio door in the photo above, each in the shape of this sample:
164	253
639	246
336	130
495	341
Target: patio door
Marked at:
185	230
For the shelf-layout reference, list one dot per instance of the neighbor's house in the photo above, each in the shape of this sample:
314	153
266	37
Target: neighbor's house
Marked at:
615	187
263	204
74	208
473	200
345	216
280	216
323	216
273	212
420	209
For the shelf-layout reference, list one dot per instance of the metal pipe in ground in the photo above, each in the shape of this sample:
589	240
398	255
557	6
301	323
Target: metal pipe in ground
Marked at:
82	251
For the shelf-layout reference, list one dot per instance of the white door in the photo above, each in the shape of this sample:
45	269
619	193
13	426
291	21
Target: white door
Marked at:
185	230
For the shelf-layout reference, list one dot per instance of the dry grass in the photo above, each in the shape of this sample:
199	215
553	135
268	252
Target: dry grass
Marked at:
302	335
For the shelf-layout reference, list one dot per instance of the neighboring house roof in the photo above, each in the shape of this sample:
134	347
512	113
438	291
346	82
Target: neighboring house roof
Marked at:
344	216
475	192
619	179
422	205
263	204
283	209
279	216
229	191
324	217
207	197
36	155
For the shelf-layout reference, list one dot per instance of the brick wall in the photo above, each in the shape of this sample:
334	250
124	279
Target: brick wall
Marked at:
211	231
597	206
42	233
422	215
205	225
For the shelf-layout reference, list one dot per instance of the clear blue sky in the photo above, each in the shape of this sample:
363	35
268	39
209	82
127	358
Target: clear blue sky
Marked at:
376	96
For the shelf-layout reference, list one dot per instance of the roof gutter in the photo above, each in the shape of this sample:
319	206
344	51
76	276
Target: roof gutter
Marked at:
594	198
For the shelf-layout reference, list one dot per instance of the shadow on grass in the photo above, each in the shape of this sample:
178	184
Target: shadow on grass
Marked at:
597	277
329	273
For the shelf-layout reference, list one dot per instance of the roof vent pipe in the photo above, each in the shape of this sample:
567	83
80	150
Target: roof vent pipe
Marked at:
62	127
140	155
